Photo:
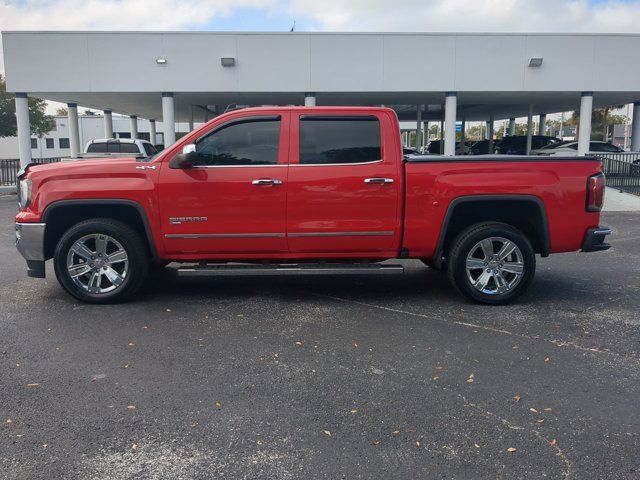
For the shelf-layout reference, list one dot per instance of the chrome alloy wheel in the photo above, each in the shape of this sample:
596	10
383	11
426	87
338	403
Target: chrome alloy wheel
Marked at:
495	265
97	263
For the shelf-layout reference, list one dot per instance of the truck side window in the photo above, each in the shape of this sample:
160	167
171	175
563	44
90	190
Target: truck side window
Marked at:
97	148
334	139
129	148
149	149
251	142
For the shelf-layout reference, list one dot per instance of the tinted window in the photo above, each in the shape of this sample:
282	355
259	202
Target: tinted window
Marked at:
97	148
149	149
557	145
339	140
49	142
34	143
538	142
129	148
63	142
113	147
251	142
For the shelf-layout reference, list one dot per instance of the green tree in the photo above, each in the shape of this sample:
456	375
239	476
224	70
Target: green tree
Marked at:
62	111
41	123
601	122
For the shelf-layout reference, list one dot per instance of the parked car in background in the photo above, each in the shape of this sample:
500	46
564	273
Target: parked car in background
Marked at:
117	147
409	151
437	147
517	144
570	148
480	147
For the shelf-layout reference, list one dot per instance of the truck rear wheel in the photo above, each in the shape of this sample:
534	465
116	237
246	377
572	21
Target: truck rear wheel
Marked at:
101	261
491	263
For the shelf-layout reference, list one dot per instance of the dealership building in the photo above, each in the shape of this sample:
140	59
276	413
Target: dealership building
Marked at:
191	77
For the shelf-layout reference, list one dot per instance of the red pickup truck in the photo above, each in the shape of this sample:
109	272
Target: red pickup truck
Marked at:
294	190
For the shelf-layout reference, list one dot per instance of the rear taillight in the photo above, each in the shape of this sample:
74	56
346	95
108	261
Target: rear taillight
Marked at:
595	192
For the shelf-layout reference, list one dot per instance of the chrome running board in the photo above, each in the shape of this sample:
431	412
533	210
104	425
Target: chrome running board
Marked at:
289	269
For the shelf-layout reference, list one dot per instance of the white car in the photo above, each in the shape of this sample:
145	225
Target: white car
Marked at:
570	149
118	147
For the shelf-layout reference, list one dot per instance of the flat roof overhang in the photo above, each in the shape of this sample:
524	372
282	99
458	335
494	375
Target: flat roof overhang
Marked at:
472	106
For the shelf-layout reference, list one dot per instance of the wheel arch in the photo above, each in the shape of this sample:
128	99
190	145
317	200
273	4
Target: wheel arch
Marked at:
508	208
61	215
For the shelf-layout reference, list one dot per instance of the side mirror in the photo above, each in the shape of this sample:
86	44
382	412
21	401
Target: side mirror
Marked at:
186	159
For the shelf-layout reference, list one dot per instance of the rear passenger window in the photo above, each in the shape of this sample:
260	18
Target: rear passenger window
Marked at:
129	148
327	140
97	148
113	147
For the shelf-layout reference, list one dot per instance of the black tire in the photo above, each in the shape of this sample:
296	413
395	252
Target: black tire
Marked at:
431	264
466	243
127	237
158	265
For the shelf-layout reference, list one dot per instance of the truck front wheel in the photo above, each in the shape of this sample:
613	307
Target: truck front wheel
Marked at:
101	261
491	263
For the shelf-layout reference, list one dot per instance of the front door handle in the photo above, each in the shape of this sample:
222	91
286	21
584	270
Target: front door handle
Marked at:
378	180
267	181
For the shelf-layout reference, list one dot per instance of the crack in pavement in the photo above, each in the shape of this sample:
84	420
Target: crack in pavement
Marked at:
558	451
557	343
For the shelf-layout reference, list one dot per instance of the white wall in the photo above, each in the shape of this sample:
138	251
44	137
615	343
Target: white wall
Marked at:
323	62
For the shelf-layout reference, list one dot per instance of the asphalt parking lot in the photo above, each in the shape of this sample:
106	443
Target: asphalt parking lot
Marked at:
325	377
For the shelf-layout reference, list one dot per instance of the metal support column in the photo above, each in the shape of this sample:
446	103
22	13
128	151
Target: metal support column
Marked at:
108	124
450	112
168	119
529	128
309	99
152	131
24	128
584	127
133	121
542	127
74	129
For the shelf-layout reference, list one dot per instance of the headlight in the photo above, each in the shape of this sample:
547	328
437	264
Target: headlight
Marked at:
24	193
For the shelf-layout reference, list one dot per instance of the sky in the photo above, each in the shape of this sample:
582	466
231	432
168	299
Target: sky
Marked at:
332	15
595	16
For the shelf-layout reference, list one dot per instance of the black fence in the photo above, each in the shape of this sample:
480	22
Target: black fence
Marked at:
9	168
622	173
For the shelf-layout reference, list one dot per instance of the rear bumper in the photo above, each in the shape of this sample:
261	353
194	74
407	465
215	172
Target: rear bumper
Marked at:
30	244
594	239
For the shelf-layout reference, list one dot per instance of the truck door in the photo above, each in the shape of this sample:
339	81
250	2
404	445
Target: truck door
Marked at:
233	200
345	184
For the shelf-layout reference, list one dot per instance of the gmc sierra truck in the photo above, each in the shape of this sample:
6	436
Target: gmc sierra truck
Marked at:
296	190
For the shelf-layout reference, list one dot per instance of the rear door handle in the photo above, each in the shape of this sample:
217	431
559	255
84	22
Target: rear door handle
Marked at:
378	180
267	181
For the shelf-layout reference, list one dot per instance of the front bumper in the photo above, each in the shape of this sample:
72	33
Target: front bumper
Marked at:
594	239
30	244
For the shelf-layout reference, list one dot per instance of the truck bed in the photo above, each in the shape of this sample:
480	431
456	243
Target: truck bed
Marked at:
436	184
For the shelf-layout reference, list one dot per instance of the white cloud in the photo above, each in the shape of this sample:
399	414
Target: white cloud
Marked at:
472	15
116	14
